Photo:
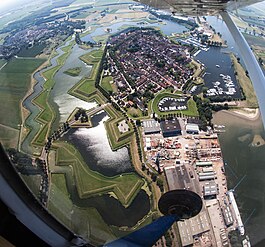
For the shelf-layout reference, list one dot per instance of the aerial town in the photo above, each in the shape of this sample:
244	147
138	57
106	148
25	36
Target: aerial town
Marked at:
143	62
137	95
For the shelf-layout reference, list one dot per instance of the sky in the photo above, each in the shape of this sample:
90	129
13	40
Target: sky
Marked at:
7	3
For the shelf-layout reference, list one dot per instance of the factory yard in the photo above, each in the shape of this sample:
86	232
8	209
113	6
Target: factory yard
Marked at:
191	159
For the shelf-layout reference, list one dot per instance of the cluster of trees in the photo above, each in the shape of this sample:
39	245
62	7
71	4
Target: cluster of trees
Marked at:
44	188
134	47
160	63
56	135
138	141
214	43
82	115
22	162
219	107
155	178
81	42
205	111
24	165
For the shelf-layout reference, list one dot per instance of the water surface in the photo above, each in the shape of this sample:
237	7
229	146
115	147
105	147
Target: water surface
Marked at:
245	158
93	144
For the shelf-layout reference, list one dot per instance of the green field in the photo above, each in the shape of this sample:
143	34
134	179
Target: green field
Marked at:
32	52
107	85
191	111
85	88
245	83
73	71
86	222
254	40
33	182
134	112
90	183
59	181
2	62
15	80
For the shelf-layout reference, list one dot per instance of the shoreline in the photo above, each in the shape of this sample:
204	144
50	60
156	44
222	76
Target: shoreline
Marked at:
242	113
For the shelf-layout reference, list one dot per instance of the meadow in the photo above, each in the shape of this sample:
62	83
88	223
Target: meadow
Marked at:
15	79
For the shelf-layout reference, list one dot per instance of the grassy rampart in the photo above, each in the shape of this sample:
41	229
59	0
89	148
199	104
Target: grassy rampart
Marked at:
47	115
90	183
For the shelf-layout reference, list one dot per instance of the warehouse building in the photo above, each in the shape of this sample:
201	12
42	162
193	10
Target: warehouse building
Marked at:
193	227
204	163
181	177
210	190
227	216
151	127
170	128
192	129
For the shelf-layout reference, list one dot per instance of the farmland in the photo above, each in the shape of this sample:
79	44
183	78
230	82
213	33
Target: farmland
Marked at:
15	79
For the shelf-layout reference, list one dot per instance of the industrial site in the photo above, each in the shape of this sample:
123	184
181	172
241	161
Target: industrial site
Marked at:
192	160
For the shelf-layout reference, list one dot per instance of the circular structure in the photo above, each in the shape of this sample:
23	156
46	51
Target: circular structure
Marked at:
182	203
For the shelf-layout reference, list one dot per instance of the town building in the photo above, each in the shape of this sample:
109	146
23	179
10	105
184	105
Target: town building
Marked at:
192	129
170	128
151	127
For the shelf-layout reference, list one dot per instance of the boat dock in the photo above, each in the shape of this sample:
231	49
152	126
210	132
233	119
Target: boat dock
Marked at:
232	200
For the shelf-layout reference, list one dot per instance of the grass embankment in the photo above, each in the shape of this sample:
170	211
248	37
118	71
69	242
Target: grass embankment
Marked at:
90	183
33	182
15	79
117	139
107	84
191	111
47	114
83	221
85	89
73	71
197	72
245	83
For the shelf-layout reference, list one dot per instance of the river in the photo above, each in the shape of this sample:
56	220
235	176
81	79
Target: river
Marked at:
244	151
167	27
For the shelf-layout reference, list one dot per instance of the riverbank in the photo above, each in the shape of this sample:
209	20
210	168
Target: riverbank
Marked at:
245	83
243	150
245	113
